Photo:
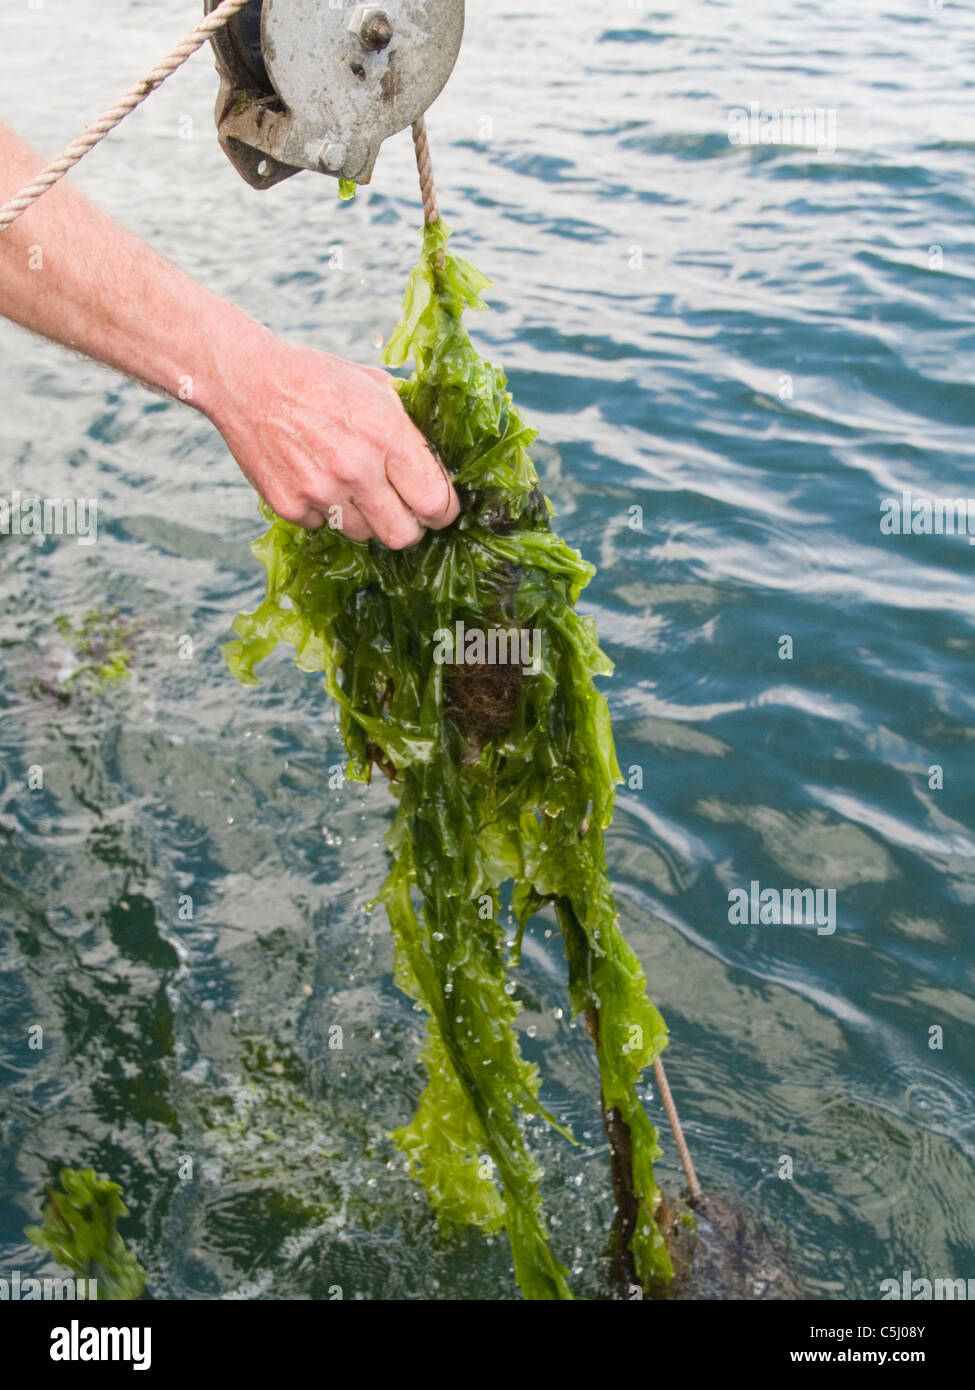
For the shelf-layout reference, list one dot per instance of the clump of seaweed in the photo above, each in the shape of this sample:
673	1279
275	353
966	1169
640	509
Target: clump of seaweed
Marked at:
81	1231
505	778
103	643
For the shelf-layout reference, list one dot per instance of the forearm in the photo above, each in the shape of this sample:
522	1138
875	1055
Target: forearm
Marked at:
319	438
71	274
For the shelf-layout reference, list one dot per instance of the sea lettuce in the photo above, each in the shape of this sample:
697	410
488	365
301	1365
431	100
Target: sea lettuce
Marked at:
81	1231
506	789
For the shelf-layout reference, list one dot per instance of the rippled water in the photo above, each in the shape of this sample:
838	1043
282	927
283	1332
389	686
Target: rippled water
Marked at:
754	345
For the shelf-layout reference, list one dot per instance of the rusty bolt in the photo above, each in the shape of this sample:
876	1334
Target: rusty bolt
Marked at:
373	27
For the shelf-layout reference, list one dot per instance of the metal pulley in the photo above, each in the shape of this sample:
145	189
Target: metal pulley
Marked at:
320	84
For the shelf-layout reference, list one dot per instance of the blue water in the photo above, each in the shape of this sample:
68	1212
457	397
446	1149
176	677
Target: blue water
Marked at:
755	345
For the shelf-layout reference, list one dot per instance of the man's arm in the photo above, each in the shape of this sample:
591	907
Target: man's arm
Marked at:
310	431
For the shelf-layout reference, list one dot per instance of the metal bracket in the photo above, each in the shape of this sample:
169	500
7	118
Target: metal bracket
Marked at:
320	84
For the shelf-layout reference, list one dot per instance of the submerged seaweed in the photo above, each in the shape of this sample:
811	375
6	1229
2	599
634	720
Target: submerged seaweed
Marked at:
81	1231
505	775
102	644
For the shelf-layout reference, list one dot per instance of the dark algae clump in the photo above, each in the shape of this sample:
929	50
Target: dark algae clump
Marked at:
504	772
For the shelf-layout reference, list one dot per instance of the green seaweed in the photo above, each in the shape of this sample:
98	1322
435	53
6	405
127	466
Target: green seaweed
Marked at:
103	643
347	189
81	1231
505	779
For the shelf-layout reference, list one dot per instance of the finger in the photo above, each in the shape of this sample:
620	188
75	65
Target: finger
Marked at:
394	524
424	485
347	518
298	512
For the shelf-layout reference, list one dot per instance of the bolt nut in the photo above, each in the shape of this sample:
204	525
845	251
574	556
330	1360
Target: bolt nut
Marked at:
373	27
332	156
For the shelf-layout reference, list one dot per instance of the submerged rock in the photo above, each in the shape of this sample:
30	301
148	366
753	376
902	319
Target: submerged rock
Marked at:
736	1258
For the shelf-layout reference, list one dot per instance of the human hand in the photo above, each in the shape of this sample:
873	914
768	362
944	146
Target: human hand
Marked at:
326	441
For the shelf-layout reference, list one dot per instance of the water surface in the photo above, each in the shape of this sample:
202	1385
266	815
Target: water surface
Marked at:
752	345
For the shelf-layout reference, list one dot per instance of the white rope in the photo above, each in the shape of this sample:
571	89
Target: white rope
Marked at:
424	167
677	1129
96	132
